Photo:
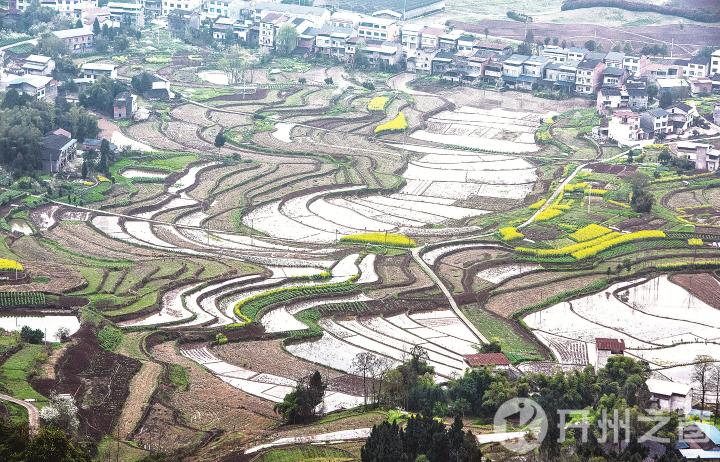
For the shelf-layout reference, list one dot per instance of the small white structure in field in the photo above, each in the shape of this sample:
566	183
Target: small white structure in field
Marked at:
666	395
606	347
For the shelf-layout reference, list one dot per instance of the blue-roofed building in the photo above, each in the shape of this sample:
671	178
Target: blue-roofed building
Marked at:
700	441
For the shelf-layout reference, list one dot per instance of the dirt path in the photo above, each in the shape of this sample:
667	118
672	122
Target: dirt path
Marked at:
33	414
142	387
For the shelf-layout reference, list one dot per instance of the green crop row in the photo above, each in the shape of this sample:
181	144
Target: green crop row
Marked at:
10	299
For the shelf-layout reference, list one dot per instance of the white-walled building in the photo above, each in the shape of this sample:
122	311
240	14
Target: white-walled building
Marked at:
670	396
379	29
95	71
715	62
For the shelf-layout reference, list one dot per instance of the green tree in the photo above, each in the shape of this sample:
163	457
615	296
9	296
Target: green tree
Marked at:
53	444
383	445
96	27
286	39
666	99
590	45
50	45
219	140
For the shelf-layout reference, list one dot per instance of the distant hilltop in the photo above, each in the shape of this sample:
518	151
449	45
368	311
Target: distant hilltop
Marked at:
697	10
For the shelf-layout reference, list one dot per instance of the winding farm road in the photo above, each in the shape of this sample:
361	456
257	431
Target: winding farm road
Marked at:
33	414
453	304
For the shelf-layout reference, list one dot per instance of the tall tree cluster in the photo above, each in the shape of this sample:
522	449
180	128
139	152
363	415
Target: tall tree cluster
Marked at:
423	438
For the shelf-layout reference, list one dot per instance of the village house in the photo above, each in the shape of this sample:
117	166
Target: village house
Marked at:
379	29
130	13
222	27
715	62
497	361
670	396
449	40
512	68
217	8
38	65
682	116
656	122
63	7
677	87
330	41
94	71
383	55
410	38
554	52
698	66
605	348
561	76
465	42
56	151
495	47
185	5
37	86
614	59
269	24
632	64
637	98
624	127
700	86
79	40
699	441
430	37
589	76
609	98
703	155
124	105
613	76
576	54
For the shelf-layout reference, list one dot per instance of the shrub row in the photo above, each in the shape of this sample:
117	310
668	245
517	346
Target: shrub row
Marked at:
10	299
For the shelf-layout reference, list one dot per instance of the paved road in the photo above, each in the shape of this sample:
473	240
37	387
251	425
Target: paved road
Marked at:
33	414
436	279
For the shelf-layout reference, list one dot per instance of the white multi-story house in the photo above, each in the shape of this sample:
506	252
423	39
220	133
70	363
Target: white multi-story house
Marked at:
698	66
38	65
64	7
556	53
95	71
217	8
670	396
513	66
330	41
631	64
656	121
430	37
589	76
410	38
344	19
561	76
80	40
380	29
268	27
36	86
466	42
715	62
615	59
131	13
185	5
576	54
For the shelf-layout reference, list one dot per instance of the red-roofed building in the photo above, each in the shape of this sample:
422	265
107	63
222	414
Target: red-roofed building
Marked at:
492	360
606	347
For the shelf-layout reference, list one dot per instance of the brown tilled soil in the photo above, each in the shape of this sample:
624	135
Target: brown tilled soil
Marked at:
209	403
98	380
268	356
704	286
